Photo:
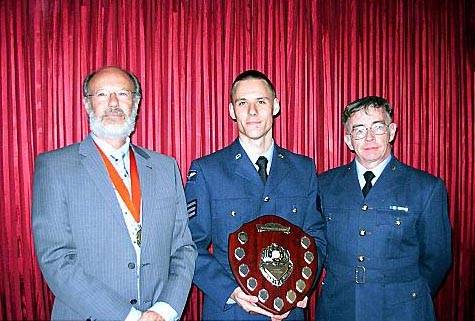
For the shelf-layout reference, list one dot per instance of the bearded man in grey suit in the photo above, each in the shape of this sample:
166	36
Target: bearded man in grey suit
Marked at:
109	218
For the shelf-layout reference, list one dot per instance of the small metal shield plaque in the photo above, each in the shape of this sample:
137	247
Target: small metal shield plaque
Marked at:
274	260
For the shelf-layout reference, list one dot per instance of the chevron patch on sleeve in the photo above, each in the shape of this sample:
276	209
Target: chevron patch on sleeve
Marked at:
192	207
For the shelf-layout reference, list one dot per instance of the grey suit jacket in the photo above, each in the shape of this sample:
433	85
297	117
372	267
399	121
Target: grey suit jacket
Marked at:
82	243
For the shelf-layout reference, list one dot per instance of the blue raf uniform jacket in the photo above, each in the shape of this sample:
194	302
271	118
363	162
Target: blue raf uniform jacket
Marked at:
386	254
223	192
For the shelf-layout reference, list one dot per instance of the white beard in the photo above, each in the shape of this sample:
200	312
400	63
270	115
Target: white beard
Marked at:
113	131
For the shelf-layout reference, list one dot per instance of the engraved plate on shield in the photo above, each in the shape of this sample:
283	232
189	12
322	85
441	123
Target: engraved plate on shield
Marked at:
300	285
306	272
239	253
305	242
308	256
251	284
278	303
263	295
291	296
242	237
243	270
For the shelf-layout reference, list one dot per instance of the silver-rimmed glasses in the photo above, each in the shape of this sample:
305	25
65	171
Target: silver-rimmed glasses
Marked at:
104	95
360	132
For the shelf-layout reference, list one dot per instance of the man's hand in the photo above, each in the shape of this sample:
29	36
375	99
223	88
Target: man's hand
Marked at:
151	316
248	302
301	304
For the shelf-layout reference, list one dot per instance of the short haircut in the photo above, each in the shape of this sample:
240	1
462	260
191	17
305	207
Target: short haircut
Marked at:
137	89
366	103
251	74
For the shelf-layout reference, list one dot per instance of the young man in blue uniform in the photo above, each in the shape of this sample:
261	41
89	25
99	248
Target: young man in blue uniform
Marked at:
250	178
388	232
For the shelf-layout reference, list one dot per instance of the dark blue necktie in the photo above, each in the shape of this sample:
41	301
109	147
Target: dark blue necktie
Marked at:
262	171
368	176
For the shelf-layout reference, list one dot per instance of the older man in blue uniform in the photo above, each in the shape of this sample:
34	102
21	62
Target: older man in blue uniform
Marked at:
250	178
387	227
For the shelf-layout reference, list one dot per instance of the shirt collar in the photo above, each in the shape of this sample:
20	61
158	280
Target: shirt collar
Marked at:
254	156
377	171
110	150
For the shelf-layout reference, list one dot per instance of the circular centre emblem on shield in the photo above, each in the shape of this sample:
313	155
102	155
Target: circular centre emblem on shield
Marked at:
275	264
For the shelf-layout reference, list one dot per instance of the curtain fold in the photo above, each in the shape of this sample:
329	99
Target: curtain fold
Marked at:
320	55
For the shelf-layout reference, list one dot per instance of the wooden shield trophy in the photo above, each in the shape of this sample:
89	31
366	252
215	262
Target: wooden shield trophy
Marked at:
274	260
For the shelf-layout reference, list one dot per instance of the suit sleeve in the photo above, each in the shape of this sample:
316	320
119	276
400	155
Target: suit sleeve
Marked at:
182	256
209	276
435	238
314	223
57	253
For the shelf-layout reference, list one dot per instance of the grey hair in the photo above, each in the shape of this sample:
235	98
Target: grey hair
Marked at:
366	103
137	88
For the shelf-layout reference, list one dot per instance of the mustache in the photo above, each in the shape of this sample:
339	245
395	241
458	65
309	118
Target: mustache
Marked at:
114	111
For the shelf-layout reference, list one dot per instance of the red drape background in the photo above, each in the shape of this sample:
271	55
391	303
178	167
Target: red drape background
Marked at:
320	54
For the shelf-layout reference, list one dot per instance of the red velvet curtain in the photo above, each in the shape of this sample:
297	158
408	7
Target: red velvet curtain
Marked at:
320	54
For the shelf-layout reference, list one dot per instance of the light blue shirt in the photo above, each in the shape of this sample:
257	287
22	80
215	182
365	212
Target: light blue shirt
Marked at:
360	170
253	156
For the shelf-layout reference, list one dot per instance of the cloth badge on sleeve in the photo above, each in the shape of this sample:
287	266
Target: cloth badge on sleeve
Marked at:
192	207
191	175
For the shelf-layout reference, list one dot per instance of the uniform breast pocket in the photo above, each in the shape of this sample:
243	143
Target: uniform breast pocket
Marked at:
293	209
397	228
229	215
337	227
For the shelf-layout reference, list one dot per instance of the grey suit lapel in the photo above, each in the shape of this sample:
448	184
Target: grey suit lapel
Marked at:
92	162
147	181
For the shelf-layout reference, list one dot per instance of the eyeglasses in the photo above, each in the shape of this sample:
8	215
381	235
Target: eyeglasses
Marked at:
104	95
360	132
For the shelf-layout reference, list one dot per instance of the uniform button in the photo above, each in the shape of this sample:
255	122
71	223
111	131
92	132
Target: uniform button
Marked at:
365	207
266	199
233	213
362	232
361	258
133	301
414	294
131	266
398	222
294	210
